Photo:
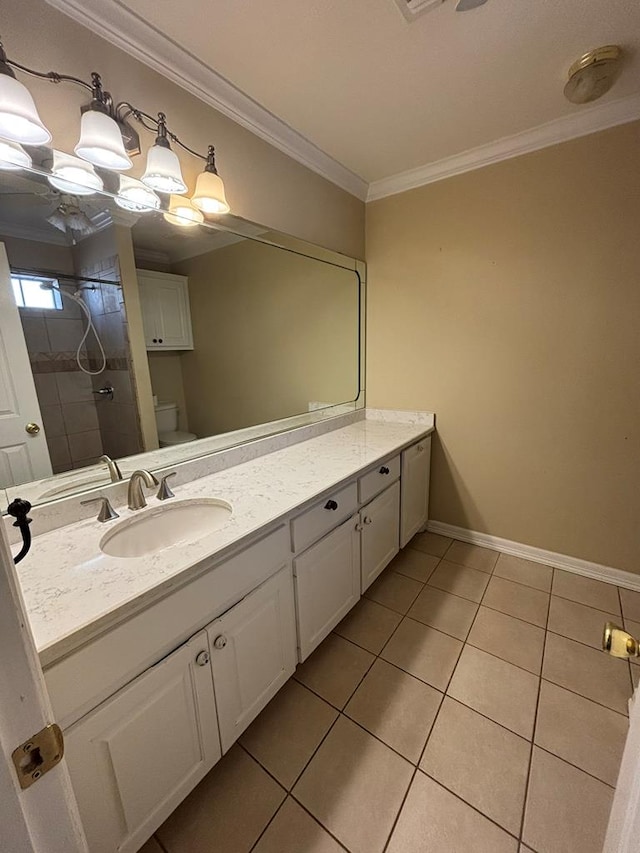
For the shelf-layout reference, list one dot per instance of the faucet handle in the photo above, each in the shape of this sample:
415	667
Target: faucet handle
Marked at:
107	512
164	492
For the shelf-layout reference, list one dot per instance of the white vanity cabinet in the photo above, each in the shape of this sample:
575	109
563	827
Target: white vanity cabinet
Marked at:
166	317
136	756
253	653
380	530
327	582
414	499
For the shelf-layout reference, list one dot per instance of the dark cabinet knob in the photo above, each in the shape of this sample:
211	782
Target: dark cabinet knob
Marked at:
331	505
155	340
159	340
384	470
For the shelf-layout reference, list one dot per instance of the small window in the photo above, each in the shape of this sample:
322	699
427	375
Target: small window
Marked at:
36	292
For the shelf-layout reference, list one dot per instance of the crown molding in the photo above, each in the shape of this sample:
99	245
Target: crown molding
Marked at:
588	120
121	27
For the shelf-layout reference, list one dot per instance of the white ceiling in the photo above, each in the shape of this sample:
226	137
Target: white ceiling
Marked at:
381	95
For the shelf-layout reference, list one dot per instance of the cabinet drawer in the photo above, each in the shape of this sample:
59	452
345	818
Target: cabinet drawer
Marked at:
323	516
375	481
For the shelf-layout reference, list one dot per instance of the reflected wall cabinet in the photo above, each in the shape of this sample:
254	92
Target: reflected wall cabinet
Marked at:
166	317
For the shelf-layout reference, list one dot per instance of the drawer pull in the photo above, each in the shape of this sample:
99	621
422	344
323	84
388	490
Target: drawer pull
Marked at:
368	520
359	527
331	505
220	641
202	658
420	448
384	470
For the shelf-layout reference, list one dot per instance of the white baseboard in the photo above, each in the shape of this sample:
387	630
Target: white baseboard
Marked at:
628	580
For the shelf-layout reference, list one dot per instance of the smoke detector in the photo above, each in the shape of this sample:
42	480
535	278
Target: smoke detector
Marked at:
591	76
412	9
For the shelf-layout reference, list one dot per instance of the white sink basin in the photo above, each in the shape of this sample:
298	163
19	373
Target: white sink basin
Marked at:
164	526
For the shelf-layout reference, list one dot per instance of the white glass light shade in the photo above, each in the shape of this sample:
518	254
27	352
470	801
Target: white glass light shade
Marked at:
209	196
133	195
101	142
13	157
163	172
182	212
72	175
19	119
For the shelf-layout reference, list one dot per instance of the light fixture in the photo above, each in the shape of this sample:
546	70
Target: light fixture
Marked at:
163	172
182	212
19	119
134	195
13	157
101	142
209	196
591	76
72	175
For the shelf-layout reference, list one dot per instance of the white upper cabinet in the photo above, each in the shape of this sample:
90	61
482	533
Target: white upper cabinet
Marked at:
380	533
166	317
414	501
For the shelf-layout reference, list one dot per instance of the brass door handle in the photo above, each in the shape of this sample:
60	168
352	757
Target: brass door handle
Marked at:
619	643
32	429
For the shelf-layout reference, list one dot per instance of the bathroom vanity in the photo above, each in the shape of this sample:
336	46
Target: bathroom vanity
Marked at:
157	663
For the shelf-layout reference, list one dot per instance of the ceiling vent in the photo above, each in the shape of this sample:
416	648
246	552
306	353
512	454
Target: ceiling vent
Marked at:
411	9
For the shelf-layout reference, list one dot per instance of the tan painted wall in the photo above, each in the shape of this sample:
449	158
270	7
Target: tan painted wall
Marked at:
272	331
507	300
166	382
263	184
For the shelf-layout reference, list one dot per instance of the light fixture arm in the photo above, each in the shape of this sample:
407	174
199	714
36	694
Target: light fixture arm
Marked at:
7	65
158	125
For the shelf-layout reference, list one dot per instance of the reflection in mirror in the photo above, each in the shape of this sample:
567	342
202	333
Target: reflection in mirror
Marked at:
124	333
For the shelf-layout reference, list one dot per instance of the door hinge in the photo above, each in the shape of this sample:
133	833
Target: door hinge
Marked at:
36	756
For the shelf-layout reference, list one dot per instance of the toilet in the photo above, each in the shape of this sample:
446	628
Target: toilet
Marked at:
167	423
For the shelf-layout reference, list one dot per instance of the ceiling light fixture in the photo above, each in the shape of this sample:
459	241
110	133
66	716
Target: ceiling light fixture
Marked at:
182	212
107	138
13	157
591	76
134	195
72	175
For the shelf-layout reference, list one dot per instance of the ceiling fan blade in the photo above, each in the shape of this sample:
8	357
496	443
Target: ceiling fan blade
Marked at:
466	5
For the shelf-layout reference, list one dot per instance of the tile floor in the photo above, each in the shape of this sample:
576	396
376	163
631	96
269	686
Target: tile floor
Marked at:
463	705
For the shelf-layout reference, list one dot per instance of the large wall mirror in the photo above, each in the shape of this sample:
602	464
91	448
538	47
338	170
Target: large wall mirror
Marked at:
132	335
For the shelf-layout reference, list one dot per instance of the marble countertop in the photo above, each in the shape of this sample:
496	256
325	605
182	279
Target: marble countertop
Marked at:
74	592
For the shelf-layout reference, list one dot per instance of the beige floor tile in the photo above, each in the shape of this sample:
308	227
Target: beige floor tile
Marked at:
152	845
499	690
630	604
632	627
479	761
424	652
354	786
586	671
567	811
577	621
369	625
288	731
394	591
448	613
472	556
581	732
335	669
415	564
460	580
508	638
227	811
395	707
517	600
602	596
432	819
524	571
292	829
431	543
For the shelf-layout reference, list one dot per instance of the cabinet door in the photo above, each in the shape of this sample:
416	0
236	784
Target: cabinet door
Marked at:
414	502
148	308
380	533
174	330
135	757
327	579
253	653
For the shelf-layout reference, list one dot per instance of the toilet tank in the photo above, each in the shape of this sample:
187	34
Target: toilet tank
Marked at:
166	417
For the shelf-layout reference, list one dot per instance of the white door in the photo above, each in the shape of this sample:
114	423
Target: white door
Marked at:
23	457
253	653
327	578
414	502
43	818
380	533
136	757
623	833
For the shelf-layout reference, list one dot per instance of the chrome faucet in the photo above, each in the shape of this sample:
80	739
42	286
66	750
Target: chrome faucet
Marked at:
137	499
114	472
